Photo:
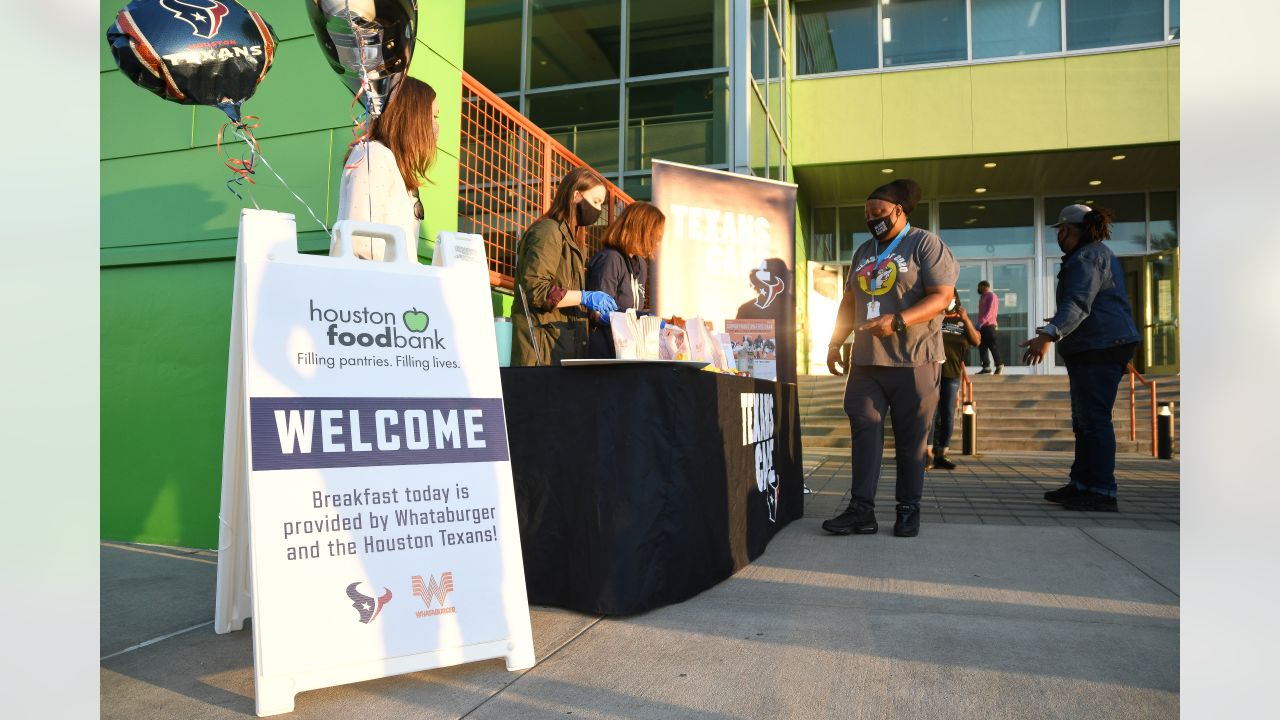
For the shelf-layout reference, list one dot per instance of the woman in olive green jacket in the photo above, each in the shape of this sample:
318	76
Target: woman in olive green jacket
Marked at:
551	312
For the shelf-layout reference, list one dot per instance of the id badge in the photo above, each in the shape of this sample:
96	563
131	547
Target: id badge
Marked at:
873	309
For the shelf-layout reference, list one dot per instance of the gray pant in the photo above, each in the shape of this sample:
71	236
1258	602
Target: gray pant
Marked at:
910	395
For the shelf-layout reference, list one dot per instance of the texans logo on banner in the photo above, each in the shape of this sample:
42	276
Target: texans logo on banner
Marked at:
768	286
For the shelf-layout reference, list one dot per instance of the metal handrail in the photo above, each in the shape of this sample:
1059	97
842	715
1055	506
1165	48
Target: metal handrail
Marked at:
507	177
1133	411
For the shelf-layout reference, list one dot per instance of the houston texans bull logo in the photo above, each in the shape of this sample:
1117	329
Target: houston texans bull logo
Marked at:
365	605
767	284
204	16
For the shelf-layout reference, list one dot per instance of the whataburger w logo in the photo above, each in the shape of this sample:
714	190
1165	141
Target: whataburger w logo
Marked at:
432	590
204	16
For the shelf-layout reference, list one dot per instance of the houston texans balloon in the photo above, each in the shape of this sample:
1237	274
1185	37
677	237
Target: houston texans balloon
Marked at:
368	42
193	52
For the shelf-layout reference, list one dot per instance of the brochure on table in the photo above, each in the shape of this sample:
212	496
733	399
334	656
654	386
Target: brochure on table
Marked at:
368	515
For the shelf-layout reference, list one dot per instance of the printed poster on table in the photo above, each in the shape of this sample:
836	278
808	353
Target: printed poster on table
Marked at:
367	468
755	347
728	251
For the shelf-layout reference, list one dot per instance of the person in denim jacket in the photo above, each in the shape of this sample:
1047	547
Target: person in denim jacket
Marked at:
1096	337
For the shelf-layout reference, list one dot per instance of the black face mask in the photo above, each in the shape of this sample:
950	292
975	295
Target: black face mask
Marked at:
587	213
880	226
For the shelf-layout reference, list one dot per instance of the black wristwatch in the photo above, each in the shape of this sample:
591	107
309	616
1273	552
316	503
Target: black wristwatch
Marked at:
899	325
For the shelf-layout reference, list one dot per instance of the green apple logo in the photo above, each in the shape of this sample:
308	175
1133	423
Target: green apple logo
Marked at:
416	320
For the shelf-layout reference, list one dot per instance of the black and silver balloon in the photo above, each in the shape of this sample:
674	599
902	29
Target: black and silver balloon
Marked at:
193	52
368	42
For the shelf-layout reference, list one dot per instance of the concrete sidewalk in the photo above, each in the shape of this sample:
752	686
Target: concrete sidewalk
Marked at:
994	620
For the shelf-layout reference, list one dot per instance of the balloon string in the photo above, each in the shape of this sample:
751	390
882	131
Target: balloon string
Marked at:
244	169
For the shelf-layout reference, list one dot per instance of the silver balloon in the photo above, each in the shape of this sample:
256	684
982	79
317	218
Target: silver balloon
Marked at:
368	42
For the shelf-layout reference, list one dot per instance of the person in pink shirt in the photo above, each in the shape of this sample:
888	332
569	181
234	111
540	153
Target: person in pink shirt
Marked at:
988	310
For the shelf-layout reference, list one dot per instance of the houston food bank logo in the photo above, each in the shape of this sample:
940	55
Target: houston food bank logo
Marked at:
434	591
367	328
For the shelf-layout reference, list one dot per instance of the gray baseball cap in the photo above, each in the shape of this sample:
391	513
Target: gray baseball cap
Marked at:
1073	214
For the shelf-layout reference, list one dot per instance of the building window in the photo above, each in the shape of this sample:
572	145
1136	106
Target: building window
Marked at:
835	35
1128	224
852	232
824	235
989	228
854	35
1109	23
492	43
1008	28
916	32
574	41
676	35
1164	221
682	121
585	121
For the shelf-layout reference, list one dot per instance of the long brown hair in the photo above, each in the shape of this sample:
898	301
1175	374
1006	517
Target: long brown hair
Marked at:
1097	225
406	128
579	179
637	231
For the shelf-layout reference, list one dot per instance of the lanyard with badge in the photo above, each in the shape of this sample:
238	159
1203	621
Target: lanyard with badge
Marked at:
873	307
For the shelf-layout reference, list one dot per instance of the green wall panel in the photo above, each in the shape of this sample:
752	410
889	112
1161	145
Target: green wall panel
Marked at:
929	112
438	21
136	122
837	119
1019	106
1175	94
180	196
1118	98
163	389
1099	100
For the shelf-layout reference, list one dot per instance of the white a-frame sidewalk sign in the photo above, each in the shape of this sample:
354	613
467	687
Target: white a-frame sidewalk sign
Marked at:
368	516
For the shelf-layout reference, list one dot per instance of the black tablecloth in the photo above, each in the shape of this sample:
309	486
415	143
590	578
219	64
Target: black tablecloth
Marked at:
636	485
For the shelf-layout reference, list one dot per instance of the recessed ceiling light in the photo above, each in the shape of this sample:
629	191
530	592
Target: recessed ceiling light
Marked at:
970	221
1117	157
1095	183
979	190
887	171
977	207
988	165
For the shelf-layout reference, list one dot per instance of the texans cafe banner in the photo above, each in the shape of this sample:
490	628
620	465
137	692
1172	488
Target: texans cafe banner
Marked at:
368	516
729	251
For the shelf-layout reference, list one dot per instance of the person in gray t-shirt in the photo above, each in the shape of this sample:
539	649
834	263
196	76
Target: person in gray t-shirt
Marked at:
899	283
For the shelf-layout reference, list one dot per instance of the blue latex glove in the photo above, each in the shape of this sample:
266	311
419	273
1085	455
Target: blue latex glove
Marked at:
599	301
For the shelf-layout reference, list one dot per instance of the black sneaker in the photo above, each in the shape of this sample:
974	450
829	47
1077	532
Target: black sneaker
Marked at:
942	462
1063	493
999	369
1093	501
908	522
984	371
854	521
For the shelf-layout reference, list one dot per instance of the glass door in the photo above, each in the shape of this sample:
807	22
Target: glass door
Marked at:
1011	282
1052	359
826	290
1160	329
